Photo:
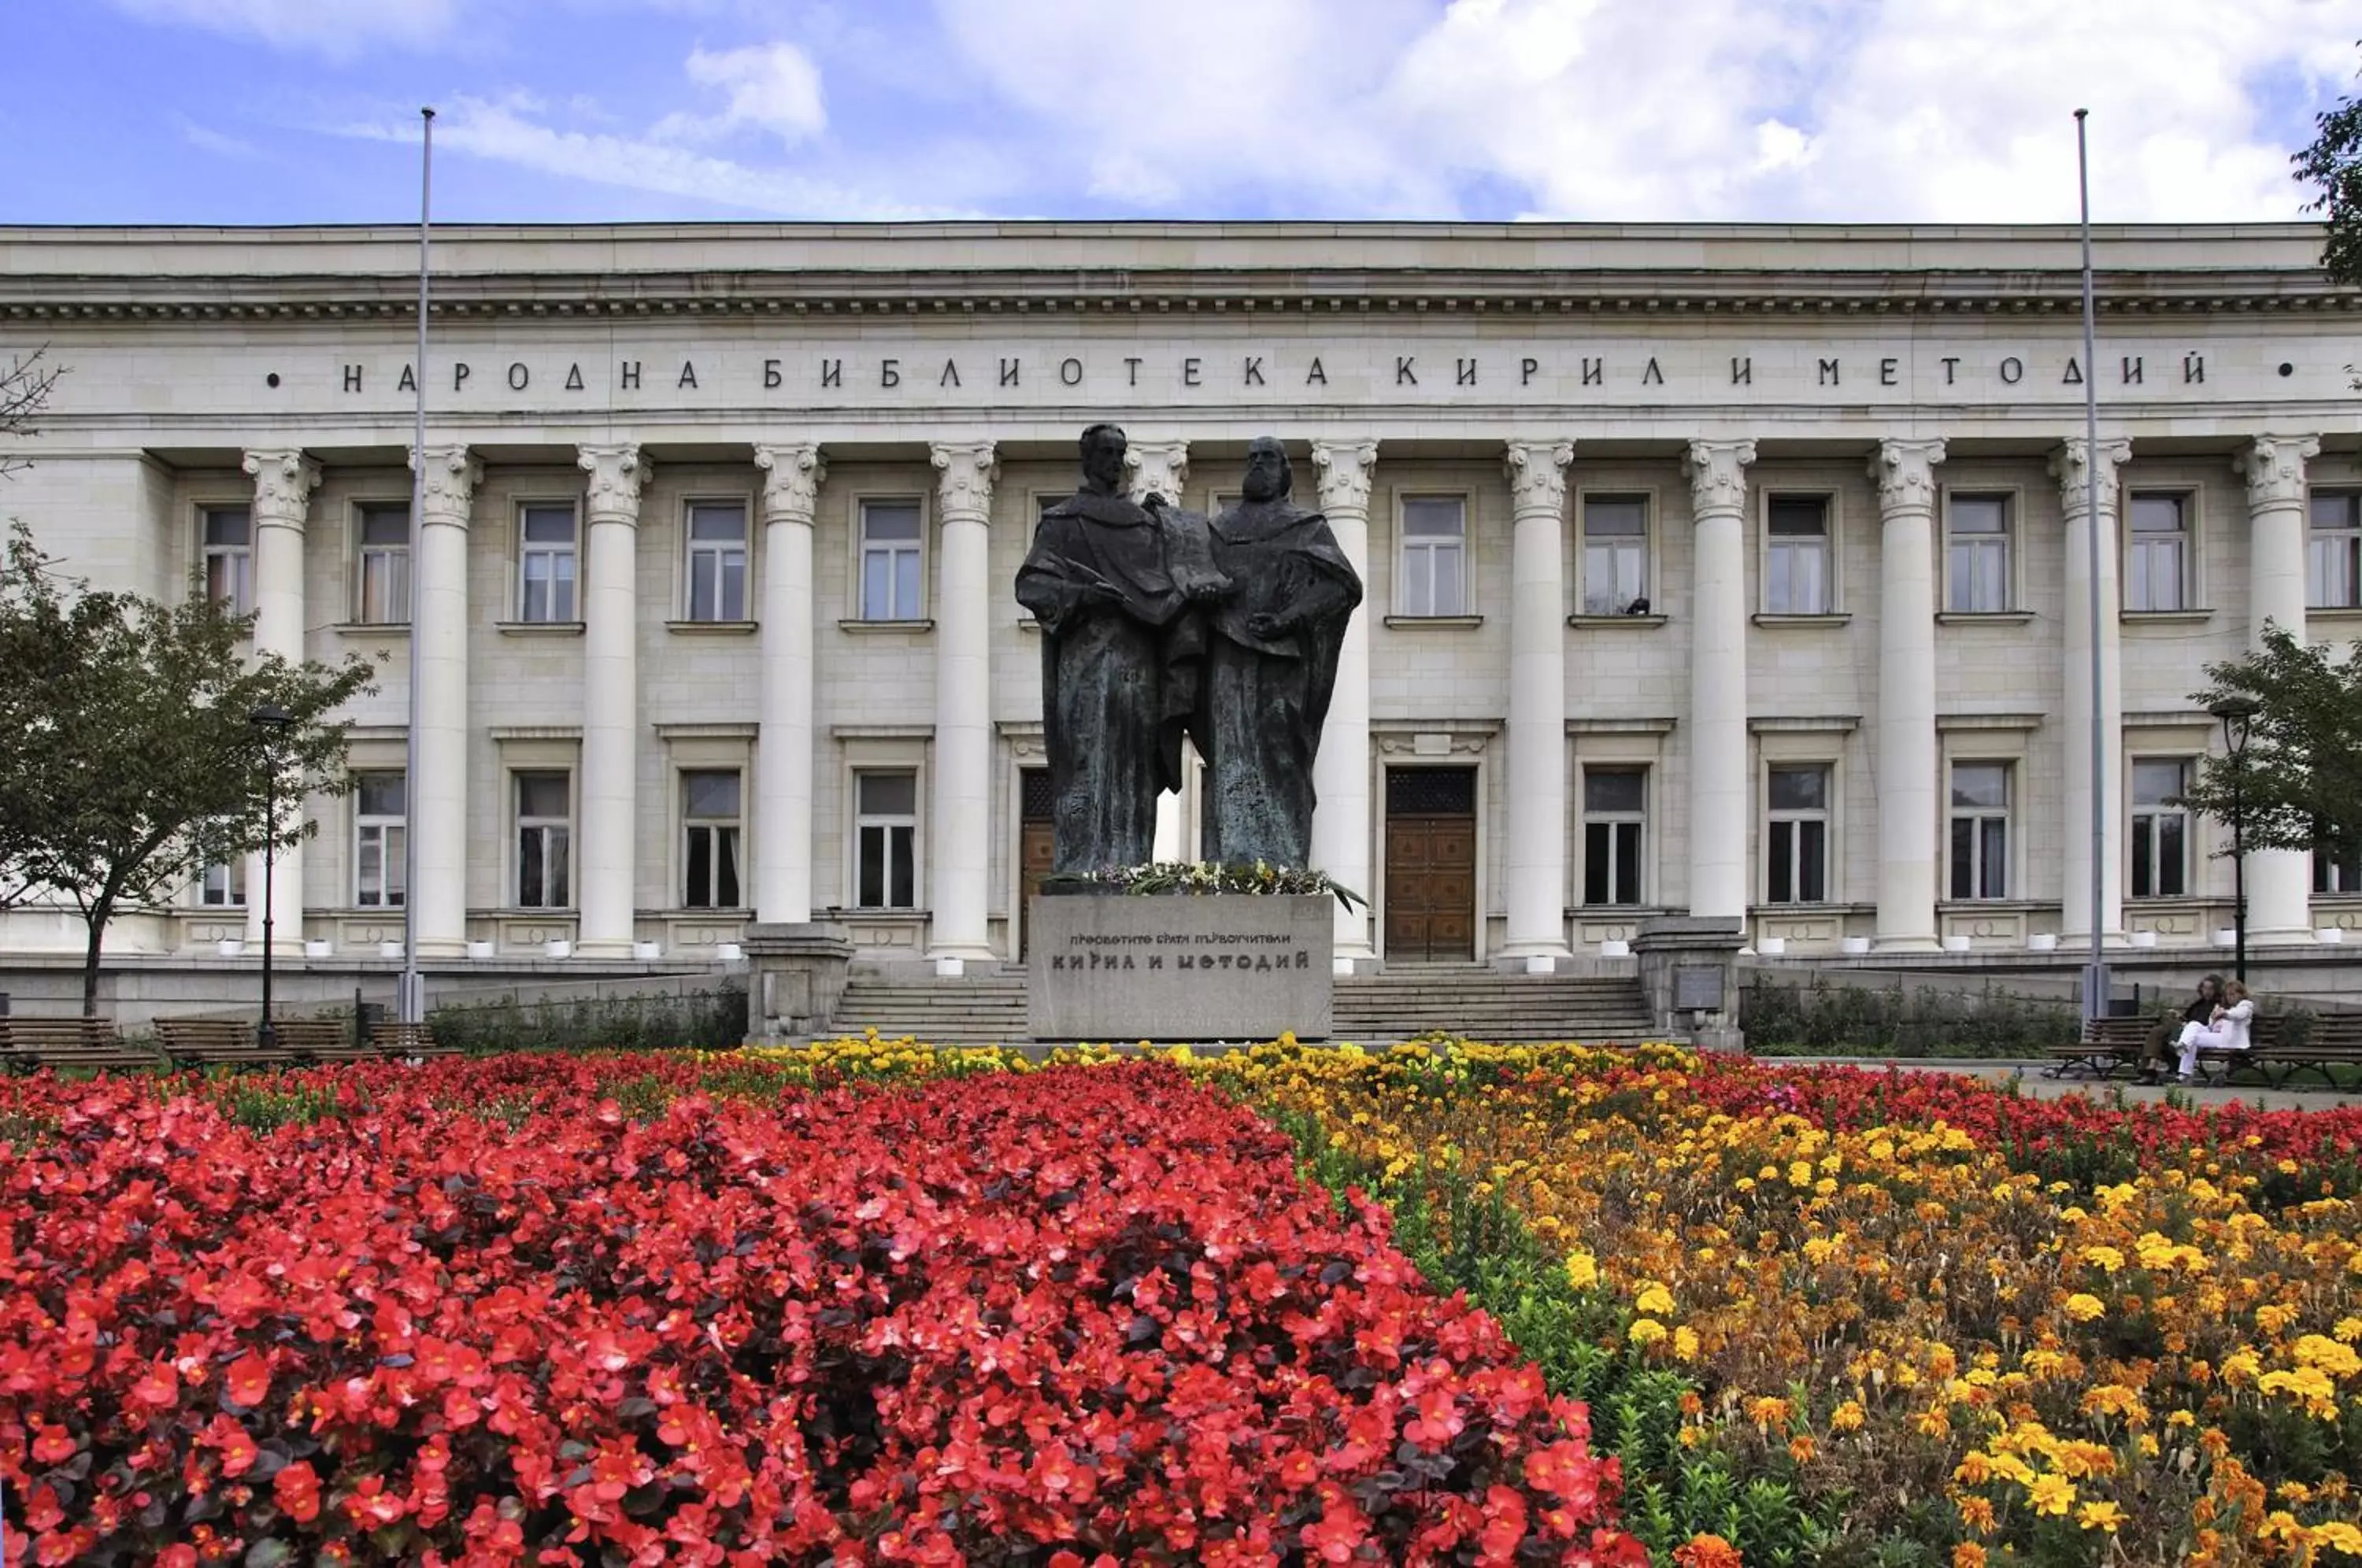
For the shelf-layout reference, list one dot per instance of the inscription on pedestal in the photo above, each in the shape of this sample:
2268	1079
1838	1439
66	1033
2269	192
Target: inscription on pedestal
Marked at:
1117	968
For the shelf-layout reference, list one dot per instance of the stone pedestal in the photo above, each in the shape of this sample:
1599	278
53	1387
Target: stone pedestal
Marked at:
795	978
1114	968
1689	972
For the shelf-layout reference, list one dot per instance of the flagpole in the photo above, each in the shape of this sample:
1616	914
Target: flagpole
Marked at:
410	1001
2095	977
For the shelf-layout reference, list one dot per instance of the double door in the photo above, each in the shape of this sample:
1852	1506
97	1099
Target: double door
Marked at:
1430	893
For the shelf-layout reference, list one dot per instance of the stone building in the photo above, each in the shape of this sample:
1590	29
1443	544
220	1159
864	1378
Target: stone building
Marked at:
1716	570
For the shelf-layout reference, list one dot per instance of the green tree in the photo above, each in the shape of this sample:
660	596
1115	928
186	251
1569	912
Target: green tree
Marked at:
2331	166
2299	784
133	762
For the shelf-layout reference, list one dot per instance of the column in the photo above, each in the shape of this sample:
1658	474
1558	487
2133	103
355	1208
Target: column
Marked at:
2280	881
1908	802
783	745
283	481
2068	465
1161	468
960	834
1534	850
1340	771
438	624
608	785
1720	813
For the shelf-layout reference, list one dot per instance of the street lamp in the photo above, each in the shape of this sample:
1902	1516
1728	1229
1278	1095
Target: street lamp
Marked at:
269	720
2238	714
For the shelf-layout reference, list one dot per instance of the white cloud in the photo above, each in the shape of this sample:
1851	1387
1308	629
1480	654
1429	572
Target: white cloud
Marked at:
219	143
339	28
772	86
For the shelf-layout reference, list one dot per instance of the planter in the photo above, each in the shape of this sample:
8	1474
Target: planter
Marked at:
229	947
481	949
2142	939
388	949
2043	942
1854	947
644	951
558	947
316	948
1184	967
1771	946
1957	944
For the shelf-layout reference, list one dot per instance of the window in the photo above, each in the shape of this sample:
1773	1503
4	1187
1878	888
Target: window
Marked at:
2157	560
717	561
384	597
1615	807
1434	557
1614	555
1797	561
229	535
886	831
546	571
2333	564
709	810
1980	830
2160	830
380	810
223	886
1796	856
2337	870
890	561
1977	560
544	820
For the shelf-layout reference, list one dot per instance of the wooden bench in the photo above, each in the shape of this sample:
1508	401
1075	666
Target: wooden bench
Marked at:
90	1043
2330	1040
407	1040
216	1043
2107	1043
328	1037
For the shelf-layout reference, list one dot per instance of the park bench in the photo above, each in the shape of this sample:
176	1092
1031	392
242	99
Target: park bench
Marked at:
407	1040
327	1037
2107	1043
216	1043
2330	1040
90	1042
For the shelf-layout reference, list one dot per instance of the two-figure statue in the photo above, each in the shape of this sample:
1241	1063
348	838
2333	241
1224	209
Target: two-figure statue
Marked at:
1159	624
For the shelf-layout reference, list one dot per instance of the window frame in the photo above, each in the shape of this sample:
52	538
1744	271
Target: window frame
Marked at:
361	507
2005	816
1827	816
2135	810
519	824
2350	536
2191	498
232	885
690	549
392	831
242	602
691	825
1832	501
859	820
2012	553
1650	529
1639	862
1465	547
857	542
525	549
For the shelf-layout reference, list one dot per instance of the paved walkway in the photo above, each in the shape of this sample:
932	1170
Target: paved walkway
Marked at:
2111	1091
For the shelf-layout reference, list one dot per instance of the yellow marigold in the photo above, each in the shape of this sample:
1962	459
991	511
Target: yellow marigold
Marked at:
1974	1470
2107	1260
2148	1445
1847	1417
1654	1298
1976	1513
1768	1412
1685	1342
2083	1307
2099	1516
2272	1317
1582	1269
1645	1331
2052	1495
2338	1535
2348	1330
2337	1360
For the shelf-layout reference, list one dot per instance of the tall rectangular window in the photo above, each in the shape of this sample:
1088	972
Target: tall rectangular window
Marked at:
383	596
2160	829
717	561
891	536
1976	562
2333	562
1615	812
709	819
2337	870
1434	557
223	886
885	840
545	826
1614	555
1980	830
2156	557
1796	846
546	568
1796	557
227	539
381	819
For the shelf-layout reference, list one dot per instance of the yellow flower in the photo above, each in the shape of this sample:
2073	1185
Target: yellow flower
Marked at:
1968	1554
1582	1269
2051	1495
2340	1536
1977	1513
1685	1342
1847	1417
2099	1516
1654	1298
2083	1307
1645	1331
2107	1260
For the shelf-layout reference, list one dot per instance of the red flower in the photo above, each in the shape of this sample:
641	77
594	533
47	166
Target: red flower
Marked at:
296	1489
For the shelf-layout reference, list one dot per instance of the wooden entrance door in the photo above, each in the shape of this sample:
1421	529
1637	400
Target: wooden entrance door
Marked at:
1430	862
1036	845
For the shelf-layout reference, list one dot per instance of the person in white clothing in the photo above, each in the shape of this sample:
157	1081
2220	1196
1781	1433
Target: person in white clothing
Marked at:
2226	1032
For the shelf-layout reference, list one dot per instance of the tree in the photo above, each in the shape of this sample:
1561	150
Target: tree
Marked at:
2333	167
25	382
134	763
2300	781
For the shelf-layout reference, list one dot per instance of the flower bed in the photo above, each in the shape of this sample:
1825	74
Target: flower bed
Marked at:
664	1310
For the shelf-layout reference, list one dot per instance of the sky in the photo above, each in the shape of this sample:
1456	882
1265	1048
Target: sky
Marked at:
306	111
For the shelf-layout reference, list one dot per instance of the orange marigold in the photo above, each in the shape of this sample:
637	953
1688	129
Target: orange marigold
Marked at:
1708	1552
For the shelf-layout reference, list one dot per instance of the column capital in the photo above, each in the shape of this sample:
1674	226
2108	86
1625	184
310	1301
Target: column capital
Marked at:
283	481
1905	473
792	475
1537	471
618	473
2274	466
2069	461
451	475
1718	474
1156	467
1343	470
965	470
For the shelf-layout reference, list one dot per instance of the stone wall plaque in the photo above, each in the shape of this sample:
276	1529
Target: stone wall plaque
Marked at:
1697	988
1115	967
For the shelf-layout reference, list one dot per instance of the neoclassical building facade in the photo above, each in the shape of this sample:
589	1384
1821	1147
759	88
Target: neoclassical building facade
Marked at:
1740	571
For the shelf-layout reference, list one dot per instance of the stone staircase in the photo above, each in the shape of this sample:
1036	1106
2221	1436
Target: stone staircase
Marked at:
1465	999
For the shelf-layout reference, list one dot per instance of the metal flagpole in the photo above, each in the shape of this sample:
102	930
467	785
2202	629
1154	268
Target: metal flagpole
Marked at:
2095	975
410	1002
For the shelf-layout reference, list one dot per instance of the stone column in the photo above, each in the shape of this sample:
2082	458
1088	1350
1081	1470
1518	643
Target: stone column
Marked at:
1534	848
960	838
1341	772
438	624
1720	815
783	754
1161	468
283	481
608	787
2068	465
1908	799
2280	881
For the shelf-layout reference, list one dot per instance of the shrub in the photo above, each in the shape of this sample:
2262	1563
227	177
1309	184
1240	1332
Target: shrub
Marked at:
1820	1019
714	1019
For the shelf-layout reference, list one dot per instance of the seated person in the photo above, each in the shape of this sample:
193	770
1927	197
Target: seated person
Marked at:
2167	1036
2227	1031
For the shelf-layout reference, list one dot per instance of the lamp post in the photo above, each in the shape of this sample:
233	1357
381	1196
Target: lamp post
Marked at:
2237	713
270	722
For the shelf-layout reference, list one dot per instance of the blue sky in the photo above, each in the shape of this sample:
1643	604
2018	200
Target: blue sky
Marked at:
298	111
